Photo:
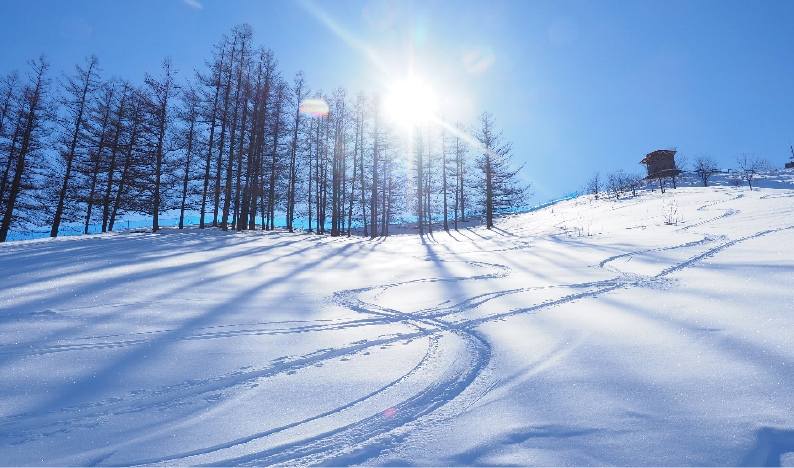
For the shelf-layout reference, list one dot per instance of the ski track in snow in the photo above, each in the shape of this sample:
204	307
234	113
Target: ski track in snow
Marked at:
364	439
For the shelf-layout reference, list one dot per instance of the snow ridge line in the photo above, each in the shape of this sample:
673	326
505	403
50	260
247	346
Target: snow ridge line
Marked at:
728	212
705	240
28	349
717	249
737	197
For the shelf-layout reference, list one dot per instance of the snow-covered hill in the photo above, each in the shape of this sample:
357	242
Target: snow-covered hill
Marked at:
654	330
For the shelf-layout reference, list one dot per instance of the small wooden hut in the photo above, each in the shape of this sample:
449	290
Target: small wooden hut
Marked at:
660	163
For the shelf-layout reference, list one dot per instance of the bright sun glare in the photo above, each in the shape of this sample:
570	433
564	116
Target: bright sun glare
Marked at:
410	102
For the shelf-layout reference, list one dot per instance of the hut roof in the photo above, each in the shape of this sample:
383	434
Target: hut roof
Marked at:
658	154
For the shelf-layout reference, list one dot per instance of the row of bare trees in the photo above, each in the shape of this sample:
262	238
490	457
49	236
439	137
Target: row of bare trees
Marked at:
704	167
237	143
24	121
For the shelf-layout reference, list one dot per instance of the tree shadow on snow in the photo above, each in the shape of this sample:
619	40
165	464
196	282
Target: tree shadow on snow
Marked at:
770	444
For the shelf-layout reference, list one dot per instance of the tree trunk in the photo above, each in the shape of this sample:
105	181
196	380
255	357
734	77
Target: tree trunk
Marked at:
420	193
208	160
73	145
299	96
186	177
92	192
310	176
163	94
128	160
221	143
240	191
489	192
373	211
444	177
13	154
274	159
361	175
353	180
227	201
113	156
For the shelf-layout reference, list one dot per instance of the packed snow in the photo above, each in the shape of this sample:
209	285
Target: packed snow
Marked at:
648	330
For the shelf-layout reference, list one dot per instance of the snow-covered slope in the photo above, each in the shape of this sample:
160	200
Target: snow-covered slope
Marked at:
655	330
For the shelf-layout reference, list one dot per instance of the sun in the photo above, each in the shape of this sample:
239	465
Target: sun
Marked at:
410	102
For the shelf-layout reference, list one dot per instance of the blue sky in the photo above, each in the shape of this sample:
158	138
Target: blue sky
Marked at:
577	86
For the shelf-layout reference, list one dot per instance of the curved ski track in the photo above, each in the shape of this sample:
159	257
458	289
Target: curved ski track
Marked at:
366	438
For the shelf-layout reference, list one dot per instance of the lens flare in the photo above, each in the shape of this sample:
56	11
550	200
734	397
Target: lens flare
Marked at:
389	413
314	107
478	59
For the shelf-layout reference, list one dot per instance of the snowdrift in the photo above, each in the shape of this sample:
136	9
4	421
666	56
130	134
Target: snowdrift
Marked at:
650	330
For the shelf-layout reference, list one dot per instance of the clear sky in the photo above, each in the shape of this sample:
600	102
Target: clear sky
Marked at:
577	86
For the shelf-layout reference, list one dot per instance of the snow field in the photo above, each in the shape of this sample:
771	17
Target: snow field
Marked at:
653	330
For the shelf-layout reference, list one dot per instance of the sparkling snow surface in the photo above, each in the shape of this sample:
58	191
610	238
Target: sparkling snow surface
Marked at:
656	330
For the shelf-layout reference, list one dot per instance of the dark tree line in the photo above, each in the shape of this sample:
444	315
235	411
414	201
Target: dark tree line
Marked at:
25	123
238	143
